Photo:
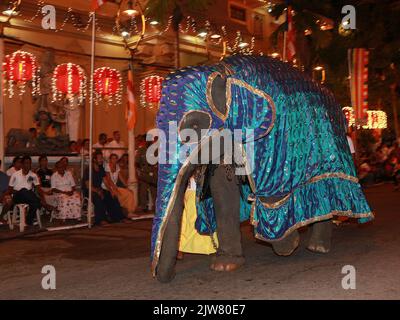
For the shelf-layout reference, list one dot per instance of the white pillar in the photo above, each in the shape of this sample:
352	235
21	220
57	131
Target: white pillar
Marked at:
132	183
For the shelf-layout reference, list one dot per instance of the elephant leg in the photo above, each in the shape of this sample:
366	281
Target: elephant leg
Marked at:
287	245
226	196
320	239
169	249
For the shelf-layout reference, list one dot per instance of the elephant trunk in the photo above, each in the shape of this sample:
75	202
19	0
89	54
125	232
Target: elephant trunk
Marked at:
170	244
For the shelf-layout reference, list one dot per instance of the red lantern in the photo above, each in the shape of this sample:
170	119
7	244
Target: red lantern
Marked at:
19	68
151	90
107	85
69	79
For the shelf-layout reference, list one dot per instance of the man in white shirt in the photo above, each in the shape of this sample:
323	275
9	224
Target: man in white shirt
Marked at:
116	143
22	184
16	165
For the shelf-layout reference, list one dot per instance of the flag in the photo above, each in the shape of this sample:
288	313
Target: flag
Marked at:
290	36
131	102
97	4
358	70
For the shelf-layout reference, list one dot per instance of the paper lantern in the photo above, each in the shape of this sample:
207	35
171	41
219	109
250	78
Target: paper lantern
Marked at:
151	90
69	80
20	68
107	85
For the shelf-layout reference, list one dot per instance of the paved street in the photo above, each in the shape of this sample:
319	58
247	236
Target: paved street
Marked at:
113	263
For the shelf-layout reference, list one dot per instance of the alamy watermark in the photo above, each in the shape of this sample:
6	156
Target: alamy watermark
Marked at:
205	146
349	280
49	280
349	20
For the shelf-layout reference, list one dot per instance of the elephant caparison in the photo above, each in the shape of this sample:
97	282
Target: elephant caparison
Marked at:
297	167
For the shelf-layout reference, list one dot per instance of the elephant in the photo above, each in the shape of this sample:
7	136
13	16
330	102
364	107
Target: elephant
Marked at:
290	167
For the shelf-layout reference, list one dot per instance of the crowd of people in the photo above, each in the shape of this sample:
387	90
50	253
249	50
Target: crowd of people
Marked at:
56	190
381	164
104	143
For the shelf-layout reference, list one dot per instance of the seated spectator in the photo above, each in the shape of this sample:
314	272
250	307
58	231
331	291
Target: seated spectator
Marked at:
44	174
116	143
5	198
65	162
123	172
85	147
106	205
22	185
102	143
16	165
125	196
73	147
67	200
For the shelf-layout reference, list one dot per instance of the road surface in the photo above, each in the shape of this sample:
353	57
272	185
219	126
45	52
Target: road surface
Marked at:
113	263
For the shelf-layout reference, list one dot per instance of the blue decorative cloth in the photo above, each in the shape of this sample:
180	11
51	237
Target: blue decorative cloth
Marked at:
303	172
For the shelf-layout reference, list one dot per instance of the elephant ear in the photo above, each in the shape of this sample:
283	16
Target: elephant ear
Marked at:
252	110
218	95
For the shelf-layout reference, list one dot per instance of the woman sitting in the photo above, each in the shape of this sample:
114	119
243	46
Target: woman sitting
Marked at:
125	196
44	174
68	201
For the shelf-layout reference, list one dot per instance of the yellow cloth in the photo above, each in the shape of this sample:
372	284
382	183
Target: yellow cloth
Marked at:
126	199
191	241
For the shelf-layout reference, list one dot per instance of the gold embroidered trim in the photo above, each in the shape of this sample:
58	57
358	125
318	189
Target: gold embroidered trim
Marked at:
258	92
328	216
210	101
277	203
324	176
328	175
228	69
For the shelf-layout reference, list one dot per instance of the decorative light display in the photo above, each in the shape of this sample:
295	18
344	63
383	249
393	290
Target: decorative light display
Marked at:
20	68
349	115
69	80
107	86
376	119
150	89
190	26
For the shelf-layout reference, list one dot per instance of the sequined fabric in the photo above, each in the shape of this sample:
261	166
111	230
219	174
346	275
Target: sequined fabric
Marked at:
301	153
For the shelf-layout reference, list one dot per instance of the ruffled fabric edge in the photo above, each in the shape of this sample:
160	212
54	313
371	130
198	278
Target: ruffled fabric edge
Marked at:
310	203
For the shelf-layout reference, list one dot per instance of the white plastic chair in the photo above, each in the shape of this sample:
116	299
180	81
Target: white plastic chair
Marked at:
19	211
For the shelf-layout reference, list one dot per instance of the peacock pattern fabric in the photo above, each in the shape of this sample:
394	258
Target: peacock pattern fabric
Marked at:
292	126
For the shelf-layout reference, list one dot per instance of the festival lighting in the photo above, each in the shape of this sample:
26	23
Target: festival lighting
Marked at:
20	68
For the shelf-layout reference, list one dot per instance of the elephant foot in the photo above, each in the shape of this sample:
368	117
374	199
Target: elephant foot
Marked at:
320	240
226	263
288	245
165	275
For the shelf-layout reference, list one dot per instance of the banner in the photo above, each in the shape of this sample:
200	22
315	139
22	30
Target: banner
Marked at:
131	101
358	70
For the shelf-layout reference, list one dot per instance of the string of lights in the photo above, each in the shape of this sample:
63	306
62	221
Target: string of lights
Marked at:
189	26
